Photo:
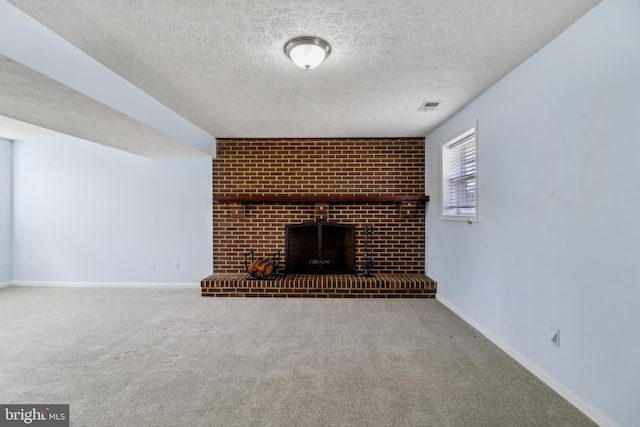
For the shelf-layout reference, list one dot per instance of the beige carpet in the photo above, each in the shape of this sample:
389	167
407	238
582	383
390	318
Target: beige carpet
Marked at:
148	357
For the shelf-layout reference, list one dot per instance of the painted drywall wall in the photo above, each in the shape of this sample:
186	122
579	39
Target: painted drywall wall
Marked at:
28	42
86	213
558	240
6	211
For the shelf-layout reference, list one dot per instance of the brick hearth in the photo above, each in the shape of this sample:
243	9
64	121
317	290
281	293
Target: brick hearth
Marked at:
320	286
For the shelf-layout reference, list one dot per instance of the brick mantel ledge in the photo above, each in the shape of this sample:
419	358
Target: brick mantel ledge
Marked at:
322	198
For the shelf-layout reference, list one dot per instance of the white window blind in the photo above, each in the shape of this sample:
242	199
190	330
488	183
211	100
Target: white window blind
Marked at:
459	177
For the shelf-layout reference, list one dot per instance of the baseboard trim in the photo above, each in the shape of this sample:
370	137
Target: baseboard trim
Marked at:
6	284
108	285
536	370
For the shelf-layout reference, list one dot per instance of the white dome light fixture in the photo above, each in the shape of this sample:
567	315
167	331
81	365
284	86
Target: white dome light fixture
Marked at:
307	52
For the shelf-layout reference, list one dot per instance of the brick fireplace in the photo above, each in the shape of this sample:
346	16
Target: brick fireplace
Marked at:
263	186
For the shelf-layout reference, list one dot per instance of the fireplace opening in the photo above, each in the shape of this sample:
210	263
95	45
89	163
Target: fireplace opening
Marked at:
320	247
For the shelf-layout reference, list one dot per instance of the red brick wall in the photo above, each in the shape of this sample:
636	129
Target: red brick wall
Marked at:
319	167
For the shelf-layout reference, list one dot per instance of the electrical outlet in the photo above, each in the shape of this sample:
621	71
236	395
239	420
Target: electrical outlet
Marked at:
554	336
176	265
152	265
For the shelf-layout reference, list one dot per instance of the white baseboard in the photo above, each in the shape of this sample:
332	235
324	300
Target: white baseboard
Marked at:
536	370
6	284
108	285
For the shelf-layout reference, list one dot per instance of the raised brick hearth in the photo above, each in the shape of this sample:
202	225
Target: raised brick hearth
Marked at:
320	286
261	186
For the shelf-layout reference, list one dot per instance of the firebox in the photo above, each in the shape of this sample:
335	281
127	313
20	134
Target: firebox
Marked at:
320	247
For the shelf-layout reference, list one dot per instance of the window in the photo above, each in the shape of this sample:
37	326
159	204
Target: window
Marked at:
459	177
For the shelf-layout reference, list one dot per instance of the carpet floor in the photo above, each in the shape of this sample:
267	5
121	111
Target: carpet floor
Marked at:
156	357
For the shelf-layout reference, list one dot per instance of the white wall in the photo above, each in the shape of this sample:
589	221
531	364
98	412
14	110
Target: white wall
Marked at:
89	213
558	237
6	211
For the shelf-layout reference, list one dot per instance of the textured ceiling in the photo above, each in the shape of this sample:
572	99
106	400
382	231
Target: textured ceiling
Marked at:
14	129
62	109
220	64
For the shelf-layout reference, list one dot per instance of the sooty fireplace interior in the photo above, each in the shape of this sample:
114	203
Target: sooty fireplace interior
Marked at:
320	247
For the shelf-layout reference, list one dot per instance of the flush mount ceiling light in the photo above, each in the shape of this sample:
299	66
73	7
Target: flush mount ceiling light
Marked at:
307	52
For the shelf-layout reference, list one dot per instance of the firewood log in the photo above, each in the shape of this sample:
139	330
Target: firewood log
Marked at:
261	267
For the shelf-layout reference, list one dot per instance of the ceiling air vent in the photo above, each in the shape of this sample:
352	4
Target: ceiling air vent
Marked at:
429	106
